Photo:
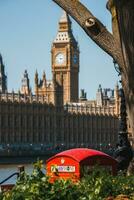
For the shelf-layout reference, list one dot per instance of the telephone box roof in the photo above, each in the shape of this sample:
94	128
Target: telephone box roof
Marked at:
83	154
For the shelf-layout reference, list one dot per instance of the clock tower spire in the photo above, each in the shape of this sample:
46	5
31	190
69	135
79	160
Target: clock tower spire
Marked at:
65	59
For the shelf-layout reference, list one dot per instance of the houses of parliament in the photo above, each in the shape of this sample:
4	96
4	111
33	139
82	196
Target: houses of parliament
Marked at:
54	114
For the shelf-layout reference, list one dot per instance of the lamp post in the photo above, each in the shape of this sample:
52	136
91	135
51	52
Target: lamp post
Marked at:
123	153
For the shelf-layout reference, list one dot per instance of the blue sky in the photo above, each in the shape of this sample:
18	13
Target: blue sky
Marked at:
27	30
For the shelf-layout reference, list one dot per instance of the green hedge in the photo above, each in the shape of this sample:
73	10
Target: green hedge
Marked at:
97	186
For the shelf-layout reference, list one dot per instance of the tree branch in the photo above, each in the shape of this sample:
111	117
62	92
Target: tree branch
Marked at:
94	28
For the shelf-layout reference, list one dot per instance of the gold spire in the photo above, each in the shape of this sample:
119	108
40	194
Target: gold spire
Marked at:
64	23
65	34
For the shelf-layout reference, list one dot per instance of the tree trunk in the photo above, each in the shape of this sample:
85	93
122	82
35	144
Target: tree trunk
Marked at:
125	18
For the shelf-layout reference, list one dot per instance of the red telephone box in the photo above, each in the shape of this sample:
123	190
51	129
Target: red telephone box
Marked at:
68	164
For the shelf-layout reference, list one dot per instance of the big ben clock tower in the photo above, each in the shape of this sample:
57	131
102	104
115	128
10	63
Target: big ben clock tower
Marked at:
65	60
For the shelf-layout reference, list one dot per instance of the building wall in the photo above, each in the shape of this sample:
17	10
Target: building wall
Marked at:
37	122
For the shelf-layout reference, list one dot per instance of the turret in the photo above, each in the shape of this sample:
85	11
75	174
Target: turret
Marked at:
83	95
3	77
36	81
99	96
44	79
36	78
25	89
1	64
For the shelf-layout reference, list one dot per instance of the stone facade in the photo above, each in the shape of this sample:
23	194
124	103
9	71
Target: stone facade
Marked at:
55	115
30	120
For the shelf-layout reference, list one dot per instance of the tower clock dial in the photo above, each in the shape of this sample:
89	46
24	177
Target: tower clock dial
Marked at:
60	58
75	58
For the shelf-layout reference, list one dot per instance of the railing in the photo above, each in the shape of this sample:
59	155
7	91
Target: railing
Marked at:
6	179
10	186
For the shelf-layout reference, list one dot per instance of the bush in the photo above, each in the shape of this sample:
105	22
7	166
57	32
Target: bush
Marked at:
99	185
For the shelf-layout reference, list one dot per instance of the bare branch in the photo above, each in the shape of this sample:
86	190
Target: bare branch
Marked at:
93	27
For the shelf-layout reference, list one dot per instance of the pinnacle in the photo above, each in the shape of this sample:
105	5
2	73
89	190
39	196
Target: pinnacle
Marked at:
1	59
64	18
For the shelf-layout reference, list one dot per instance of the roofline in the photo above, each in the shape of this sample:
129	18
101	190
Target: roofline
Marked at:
61	154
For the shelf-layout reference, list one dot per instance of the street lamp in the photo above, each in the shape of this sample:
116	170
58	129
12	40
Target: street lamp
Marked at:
123	152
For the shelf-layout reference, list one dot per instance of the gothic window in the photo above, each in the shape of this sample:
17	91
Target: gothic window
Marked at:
34	121
29	119
44	121
9	121
51	122
3	120
66	121
40	121
74	121
16	121
22	121
47	122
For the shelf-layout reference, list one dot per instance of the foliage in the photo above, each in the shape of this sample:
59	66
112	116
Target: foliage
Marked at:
98	185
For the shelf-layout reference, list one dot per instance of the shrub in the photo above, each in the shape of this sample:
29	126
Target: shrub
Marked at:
98	185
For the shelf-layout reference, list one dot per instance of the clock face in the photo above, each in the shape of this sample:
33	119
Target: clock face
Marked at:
60	58
75	58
